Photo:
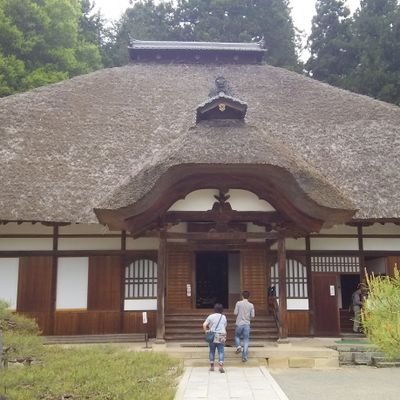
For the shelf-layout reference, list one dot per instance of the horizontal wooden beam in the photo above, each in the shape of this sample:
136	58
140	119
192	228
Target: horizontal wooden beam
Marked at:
222	235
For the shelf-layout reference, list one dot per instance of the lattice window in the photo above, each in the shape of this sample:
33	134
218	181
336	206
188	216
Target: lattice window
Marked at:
296	279
141	279
342	264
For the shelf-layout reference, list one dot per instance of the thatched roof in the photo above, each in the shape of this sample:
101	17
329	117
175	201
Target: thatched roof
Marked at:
101	140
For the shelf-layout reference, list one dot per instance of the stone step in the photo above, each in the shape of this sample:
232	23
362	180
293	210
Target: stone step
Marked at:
108	338
270	355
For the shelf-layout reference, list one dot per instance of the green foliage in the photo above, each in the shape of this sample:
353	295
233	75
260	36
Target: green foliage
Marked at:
330	42
360	53
210	20
20	335
381	314
94	373
44	41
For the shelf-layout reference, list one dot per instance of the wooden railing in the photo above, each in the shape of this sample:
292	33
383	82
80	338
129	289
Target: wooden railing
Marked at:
273	306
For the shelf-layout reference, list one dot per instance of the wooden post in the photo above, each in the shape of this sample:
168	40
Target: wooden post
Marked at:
309	287
282	288
52	319
162	259
361	252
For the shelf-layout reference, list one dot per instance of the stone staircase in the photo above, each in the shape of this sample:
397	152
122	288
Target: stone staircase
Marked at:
267	354
188	327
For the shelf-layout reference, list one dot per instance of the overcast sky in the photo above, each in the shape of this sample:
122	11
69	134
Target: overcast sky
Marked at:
302	10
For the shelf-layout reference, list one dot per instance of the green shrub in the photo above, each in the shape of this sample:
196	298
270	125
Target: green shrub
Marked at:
94	373
381	313
20	336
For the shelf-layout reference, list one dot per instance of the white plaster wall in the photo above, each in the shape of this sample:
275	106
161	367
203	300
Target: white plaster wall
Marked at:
243	200
386	229
203	200
89	243
382	244
85	229
9	268
72	283
340	230
334	244
297	304
27	228
292	244
198	200
179	228
27	244
142	243
140	305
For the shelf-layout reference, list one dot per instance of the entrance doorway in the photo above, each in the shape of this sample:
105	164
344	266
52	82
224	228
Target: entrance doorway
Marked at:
348	284
212	274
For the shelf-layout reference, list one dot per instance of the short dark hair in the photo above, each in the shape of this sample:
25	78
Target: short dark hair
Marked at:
246	294
218	308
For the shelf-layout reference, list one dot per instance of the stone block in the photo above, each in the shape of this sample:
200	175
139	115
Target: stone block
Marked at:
326	363
278	362
296	362
364	358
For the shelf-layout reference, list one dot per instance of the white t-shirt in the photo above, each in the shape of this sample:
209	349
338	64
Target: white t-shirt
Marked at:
212	321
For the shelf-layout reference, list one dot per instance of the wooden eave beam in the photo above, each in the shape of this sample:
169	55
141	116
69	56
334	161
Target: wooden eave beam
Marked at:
270	183
257	217
222	235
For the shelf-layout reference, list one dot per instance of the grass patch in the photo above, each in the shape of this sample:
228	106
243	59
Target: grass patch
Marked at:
96	372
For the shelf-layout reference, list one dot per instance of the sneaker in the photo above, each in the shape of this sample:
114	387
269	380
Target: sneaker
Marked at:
244	360
221	369
211	368
238	350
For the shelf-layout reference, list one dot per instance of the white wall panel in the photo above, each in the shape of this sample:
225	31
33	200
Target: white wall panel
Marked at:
9	281
26	228
89	243
142	243
72	283
382	244
85	229
140	305
340	230
297	304
379	229
203	200
292	244
14	244
334	244
243	200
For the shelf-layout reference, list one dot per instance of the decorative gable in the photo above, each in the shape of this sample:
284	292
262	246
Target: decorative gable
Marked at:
221	104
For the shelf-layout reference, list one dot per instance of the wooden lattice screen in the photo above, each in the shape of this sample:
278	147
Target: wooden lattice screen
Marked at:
336	264
141	279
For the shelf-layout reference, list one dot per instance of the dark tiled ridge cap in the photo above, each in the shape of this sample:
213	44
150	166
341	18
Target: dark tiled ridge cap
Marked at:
177	45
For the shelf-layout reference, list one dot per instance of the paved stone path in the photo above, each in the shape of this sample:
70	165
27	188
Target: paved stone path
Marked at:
240	383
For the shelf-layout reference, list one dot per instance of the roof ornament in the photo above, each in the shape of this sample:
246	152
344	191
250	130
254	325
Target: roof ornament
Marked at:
221	103
261	42
222	87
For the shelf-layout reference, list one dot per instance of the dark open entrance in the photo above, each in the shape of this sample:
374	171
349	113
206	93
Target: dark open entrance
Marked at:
348	284
211	279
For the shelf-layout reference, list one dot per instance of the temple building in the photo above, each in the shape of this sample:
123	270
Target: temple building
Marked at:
193	173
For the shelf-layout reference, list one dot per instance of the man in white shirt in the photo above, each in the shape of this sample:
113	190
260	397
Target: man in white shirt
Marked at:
244	311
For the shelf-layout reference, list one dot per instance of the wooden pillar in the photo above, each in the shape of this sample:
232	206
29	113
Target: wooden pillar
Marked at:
124	261
282	288
361	252
53	300
309	287
162	260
